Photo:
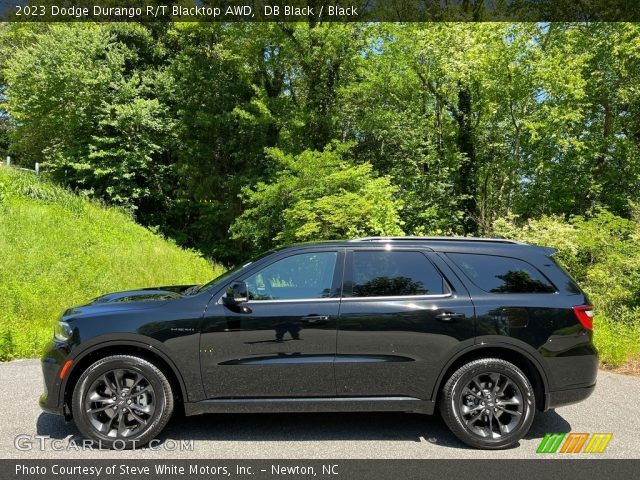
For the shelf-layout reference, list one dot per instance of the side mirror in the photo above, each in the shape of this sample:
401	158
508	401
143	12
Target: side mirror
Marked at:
237	292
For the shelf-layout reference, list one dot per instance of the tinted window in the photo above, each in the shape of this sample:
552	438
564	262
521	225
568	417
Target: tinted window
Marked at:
502	274
223	278
382	274
306	275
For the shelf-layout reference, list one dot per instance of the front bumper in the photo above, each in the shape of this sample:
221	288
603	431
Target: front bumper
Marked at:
52	399
48	407
567	397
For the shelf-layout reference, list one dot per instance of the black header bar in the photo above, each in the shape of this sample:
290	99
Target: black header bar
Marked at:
316	11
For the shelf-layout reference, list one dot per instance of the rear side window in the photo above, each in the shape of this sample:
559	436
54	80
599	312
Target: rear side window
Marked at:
391	274
502	274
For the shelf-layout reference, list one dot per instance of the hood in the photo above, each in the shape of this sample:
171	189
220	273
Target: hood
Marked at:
143	298
152	294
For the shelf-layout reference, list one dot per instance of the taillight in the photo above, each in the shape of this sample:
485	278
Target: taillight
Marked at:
585	315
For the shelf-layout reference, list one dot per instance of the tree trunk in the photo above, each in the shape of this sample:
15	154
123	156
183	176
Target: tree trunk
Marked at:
467	181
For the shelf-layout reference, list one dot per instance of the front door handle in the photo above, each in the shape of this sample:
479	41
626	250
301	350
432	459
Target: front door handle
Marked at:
315	319
450	316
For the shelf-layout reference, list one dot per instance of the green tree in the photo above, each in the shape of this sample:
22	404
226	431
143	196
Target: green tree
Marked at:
470	122
222	128
317	195
81	97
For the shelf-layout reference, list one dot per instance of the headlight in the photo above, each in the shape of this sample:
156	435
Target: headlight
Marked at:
62	331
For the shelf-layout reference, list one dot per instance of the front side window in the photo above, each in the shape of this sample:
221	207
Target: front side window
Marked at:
496	274
391	274
302	276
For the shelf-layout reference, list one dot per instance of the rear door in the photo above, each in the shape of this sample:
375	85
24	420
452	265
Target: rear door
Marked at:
402	314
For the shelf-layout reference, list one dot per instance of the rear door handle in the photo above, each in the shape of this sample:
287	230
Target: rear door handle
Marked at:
450	316
315	319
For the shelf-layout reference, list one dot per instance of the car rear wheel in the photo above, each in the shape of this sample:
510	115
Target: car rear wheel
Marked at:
488	403
122	402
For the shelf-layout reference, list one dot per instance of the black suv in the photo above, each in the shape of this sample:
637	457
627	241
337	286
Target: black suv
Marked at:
487	330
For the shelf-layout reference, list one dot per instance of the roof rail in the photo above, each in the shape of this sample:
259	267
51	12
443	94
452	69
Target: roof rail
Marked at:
437	239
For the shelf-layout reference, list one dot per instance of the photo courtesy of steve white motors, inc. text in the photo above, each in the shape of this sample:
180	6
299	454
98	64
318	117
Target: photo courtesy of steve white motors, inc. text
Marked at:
172	470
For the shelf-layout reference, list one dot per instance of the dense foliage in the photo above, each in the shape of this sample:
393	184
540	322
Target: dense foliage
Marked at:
233	138
470	122
317	195
602	252
60	250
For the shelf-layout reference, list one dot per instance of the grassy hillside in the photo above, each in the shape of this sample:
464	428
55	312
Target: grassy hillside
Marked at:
59	250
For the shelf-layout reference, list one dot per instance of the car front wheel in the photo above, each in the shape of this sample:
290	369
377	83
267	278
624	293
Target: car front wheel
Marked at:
122	402
488	403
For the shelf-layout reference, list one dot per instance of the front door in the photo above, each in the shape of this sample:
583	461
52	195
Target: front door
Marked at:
282	342
400	320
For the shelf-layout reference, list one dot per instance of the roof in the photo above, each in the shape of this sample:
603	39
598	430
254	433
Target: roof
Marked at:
436	239
496	246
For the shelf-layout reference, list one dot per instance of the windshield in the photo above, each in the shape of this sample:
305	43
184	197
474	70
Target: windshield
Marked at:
225	276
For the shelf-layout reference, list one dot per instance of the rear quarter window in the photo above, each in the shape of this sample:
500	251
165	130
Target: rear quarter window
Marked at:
497	274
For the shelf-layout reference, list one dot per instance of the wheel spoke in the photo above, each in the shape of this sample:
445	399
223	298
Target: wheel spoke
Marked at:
495	378
96	397
147	409
110	422
141	421
144	390
100	409
503	387
467	391
510	412
474	418
136	381
476	382
490	424
500	425
469	410
121	423
109	383
113	406
118	375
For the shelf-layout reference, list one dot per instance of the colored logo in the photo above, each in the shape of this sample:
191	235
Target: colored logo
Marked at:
574	443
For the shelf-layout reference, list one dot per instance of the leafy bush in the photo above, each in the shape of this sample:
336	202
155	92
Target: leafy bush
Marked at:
317	196
83	104
58	250
602	252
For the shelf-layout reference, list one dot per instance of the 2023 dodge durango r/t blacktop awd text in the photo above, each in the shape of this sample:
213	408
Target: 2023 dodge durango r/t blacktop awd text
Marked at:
486	330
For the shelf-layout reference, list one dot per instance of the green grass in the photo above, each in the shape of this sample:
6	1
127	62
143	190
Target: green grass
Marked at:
618	340
58	250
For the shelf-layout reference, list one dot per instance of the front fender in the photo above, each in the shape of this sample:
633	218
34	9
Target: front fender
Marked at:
190	383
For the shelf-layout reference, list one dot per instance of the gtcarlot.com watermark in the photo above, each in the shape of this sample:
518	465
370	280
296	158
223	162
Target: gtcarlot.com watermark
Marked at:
26	443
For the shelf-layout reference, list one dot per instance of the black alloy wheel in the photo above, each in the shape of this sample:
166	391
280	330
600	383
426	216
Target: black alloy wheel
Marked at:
491	405
122	402
488	403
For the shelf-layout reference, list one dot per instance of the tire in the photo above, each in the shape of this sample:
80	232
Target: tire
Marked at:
122	402
483	385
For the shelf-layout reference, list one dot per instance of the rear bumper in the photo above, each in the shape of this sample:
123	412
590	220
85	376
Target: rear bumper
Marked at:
567	397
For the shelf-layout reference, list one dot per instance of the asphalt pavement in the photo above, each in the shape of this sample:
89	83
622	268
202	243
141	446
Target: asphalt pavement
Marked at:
612	408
